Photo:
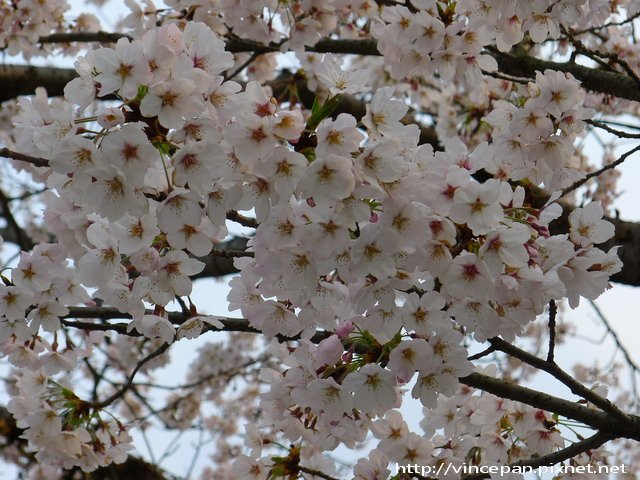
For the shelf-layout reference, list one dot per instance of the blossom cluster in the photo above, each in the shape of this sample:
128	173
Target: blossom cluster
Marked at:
395	254
466	429
63	430
22	23
410	250
534	138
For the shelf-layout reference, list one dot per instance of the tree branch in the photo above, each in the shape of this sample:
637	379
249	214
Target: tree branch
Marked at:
555	371
127	385
22	238
596	80
36	161
553	310
590	443
614	421
19	80
594	418
97	37
599	172
610	83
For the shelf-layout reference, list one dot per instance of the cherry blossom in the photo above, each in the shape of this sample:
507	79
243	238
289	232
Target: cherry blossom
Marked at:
396	192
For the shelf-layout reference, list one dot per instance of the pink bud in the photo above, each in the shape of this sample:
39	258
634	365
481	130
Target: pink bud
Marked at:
345	329
532	251
374	217
310	202
329	350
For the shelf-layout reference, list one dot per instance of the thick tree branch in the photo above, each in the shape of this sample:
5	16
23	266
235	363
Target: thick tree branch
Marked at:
555	371
19	80
583	446
22	238
610	83
97	37
596	80
22	157
589	416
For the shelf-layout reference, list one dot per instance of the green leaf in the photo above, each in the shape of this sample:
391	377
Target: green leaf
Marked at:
309	153
142	91
315	107
164	147
319	113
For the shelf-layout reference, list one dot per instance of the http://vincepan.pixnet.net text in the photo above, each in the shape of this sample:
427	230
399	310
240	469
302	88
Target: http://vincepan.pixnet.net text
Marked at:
504	470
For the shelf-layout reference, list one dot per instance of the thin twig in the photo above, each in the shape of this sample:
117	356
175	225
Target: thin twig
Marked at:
553	310
483	353
607	25
244	65
606	127
627	356
593	54
196	453
118	394
609	166
316	473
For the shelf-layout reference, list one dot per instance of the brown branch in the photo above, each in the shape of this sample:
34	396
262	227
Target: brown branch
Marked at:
315	473
87	37
127	385
555	371
243	220
176	318
596	80
483	353
594	418
36	161
23	239
607	25
241	67
575	449
595	55
610	419
217	264
110	313
553	310
230	253
19	80
610	83
599	172
606	127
